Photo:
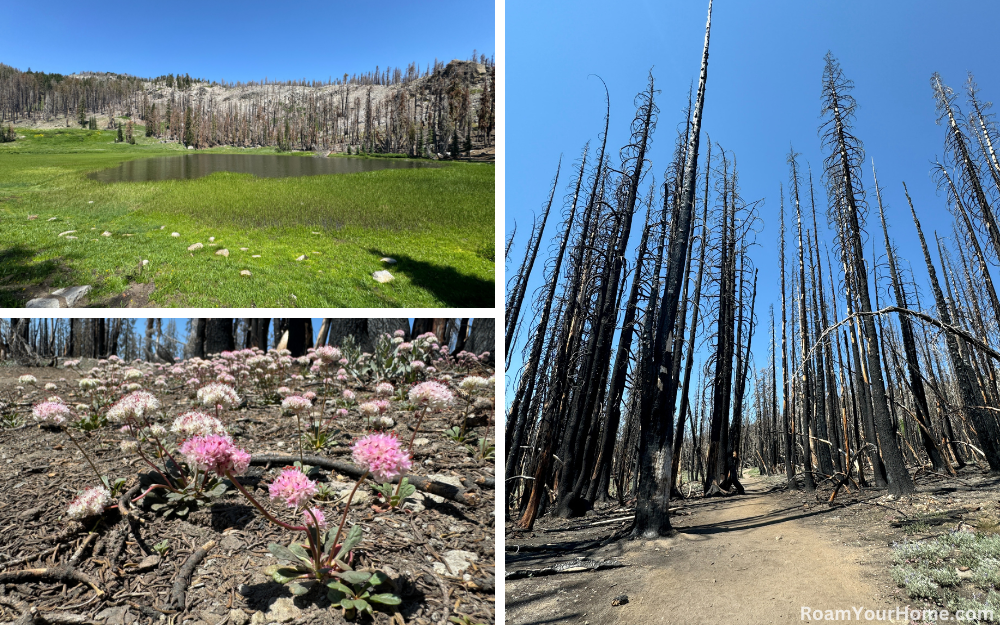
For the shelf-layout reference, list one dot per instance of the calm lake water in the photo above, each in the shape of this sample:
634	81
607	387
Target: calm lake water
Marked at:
261	165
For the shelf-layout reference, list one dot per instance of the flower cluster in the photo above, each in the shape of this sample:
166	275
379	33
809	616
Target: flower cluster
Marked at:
296	403
135	405
52	413
214	395
89	503
191	424
215	453
293	488
431	395
382	456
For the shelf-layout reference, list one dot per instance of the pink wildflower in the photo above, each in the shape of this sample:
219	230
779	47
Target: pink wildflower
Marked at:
384	388
317	514
382	455
215	453
293	487
431	395
51	412
89	503
295	403
214	395
192	424
349	395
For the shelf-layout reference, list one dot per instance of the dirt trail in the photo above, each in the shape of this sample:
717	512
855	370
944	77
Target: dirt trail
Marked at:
757	558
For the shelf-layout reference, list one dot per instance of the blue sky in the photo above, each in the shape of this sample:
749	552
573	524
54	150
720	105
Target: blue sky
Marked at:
763	95
244	40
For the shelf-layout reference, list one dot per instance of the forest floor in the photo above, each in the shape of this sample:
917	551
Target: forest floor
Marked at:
420	547
756	558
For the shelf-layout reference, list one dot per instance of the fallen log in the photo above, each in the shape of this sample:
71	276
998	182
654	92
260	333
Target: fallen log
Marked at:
467	496
576	566
184	575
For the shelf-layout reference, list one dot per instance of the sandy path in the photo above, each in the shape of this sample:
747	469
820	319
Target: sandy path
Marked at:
750	559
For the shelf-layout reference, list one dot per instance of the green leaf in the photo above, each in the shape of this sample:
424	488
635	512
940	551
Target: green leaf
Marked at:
347	604
385	599
363	606
378	578
284	575
298	588
355	578
300	552
282	552
218	491
406	490
335	596
335	585
352	540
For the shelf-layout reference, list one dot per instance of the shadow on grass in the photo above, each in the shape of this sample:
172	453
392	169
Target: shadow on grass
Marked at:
19	276
455	289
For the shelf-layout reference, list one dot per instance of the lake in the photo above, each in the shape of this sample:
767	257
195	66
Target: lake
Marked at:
190	166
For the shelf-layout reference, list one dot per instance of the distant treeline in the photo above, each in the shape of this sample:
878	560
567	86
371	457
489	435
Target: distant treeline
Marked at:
445	108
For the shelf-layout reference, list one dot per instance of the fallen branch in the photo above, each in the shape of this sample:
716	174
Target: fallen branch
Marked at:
29	558
184	575
577	566
467	496
73	561
59	574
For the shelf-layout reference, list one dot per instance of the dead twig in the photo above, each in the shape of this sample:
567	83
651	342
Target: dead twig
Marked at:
58	574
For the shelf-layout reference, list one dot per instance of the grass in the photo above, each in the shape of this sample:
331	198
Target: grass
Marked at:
438	223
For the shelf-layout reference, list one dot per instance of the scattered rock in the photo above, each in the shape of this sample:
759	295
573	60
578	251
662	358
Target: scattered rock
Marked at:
246	272
148	563
303	257
190	147
195	246
66	297
619	600
223	252
163	227
258	618
105	234
244	249
420	442
175	234
283	610
255	256
383	276
315	232
90	202
458	561
238	617
112	616
52	219
211	239
72	237
67	232
388	261
32	217
145	262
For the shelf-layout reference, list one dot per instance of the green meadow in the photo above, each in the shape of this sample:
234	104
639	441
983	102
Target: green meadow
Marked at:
437	223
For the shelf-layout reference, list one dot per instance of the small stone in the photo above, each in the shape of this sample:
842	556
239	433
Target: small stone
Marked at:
163	227
195	246
52	219
283	610
388	261
211	239
420	442
619	600
238	617
303	257
148	563
32	217
145	262
105	234
72	237
255	256
90	202
246	272
383	276
315	233
175	234
458	561
67	232
244	249
223	252
258	618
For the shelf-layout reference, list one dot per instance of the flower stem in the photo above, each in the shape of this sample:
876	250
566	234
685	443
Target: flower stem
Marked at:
409	449
343	519
266	514
89	461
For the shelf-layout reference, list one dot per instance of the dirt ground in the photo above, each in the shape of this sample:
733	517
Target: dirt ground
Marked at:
42	471
756	558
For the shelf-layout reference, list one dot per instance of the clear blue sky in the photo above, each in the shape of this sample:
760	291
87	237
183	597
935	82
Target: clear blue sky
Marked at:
763	95
244	40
